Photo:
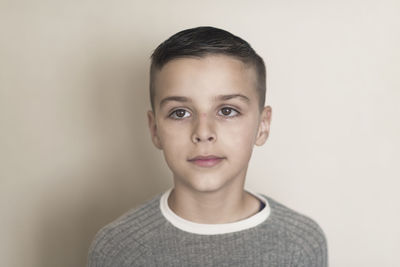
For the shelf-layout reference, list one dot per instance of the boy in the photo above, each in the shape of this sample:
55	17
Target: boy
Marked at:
207	90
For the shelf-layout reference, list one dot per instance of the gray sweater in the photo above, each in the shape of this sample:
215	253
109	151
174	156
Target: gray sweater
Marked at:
152	235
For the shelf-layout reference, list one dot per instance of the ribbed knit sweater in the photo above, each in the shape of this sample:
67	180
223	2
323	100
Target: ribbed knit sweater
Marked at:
152	235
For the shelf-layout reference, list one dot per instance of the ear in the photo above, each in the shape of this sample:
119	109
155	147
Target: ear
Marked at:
264	126
153	129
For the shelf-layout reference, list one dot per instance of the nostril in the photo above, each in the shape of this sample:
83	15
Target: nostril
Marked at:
198	139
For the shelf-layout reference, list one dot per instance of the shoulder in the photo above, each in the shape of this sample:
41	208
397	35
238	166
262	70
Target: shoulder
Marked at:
304	236
125	239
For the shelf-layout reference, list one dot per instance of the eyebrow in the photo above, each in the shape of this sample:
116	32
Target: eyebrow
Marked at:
174	98
227	97
218	98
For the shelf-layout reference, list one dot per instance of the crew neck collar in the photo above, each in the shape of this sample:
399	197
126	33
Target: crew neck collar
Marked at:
214	229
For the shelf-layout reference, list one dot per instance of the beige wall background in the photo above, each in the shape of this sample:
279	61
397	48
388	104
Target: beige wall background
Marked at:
74	146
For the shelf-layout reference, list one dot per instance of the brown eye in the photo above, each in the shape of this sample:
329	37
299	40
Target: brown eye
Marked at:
179	114
228	112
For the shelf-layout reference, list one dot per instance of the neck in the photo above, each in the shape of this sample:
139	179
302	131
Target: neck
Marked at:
226	205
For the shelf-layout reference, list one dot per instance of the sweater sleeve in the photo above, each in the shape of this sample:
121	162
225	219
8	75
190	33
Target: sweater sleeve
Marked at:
316	254
95	259
123	242
305	238
111	247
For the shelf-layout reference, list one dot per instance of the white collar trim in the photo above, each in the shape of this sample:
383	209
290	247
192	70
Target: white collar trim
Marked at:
213	229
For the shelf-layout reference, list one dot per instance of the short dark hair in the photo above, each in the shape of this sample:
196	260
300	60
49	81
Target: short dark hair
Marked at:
203	41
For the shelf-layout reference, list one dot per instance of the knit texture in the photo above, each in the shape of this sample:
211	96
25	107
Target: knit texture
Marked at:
143	237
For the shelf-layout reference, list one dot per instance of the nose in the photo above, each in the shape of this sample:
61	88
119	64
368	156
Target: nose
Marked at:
203	131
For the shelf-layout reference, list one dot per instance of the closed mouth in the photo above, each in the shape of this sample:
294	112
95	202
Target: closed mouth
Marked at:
206	161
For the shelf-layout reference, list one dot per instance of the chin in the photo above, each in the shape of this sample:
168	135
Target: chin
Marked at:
206	184
206	188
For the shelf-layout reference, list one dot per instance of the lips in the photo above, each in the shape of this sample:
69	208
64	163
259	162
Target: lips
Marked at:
206	161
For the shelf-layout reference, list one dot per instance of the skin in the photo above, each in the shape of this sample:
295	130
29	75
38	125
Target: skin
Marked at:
208	106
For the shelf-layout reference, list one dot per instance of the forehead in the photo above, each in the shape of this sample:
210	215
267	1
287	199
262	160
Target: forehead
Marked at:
205	77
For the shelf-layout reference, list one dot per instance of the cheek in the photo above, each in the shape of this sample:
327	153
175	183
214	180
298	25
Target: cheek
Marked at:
173	142
173	136
239	136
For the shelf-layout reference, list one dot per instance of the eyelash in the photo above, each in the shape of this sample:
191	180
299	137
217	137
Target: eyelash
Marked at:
172	115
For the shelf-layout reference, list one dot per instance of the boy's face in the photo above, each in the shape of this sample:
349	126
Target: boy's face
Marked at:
207	120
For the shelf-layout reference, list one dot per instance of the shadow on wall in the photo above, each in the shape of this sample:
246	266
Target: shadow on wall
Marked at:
118	167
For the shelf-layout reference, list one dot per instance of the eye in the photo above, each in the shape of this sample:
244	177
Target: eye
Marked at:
228	112
179	114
